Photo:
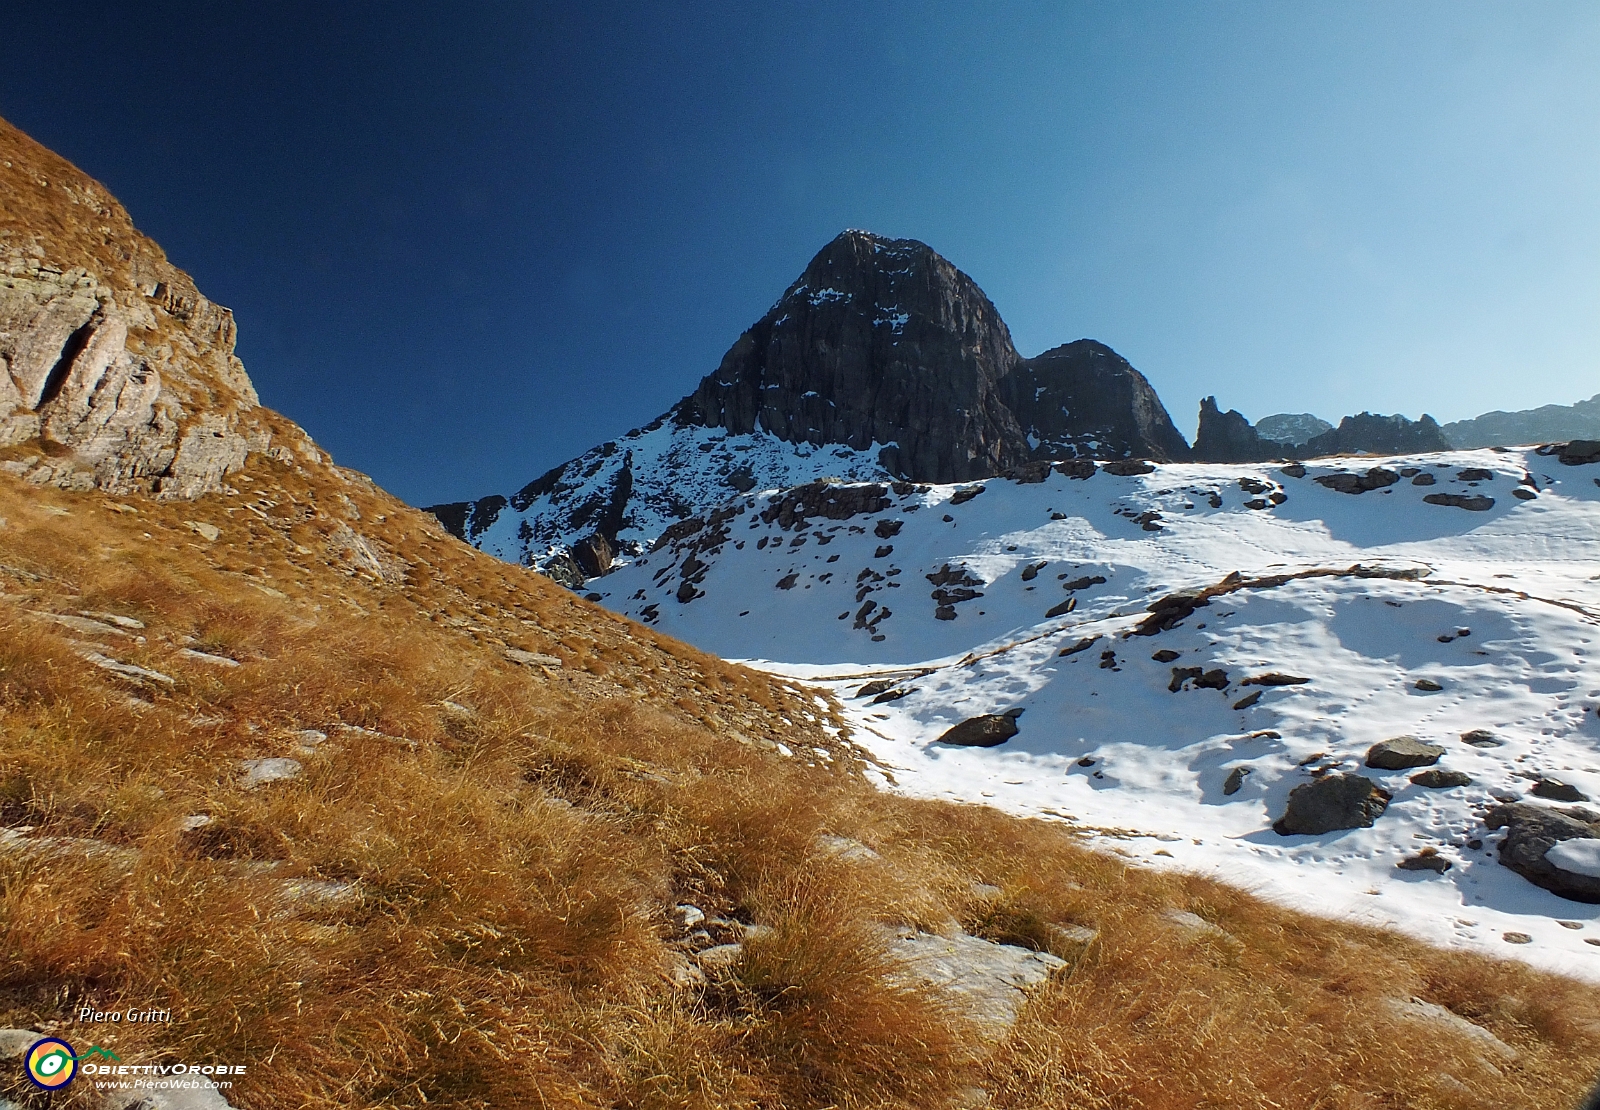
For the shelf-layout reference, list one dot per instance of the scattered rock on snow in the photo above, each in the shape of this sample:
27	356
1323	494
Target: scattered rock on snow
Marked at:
1427	685
1437	779
1557	791
1376	478
1401	752
1481	738
986	731
1235	780
1128	468
1274	678
1428	859
1532	831
1331	803
1247	701
1472	502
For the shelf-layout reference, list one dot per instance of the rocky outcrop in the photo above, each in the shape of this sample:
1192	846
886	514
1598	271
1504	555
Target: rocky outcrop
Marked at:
115	372
1228	437
1556	850
883	344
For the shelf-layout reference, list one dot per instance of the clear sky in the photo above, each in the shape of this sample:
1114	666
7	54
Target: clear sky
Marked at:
467	241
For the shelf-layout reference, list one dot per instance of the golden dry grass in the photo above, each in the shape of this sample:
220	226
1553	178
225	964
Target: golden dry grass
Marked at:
514	838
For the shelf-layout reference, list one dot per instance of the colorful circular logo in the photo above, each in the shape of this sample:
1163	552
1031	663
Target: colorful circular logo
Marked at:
52	1064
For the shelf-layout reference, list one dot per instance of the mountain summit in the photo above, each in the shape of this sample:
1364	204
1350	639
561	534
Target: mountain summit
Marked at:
884	342
881	361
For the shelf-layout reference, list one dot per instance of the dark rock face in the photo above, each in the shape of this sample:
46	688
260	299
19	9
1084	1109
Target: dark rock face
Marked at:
1082	399
1402	752
1531	831
987	731
1331	803
883	341
1227	437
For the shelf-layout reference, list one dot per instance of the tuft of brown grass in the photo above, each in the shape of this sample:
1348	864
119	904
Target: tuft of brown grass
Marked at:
463	899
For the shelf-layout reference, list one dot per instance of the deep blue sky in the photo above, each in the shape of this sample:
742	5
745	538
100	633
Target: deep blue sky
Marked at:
467	241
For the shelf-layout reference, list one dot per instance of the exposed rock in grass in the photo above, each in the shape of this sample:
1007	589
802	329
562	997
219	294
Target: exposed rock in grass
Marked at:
1331	803
1400	752
987	982
1415	1009
260	772
1195	927
531	658
130	671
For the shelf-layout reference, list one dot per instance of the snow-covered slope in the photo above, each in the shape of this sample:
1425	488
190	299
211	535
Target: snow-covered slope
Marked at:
941	594
651	478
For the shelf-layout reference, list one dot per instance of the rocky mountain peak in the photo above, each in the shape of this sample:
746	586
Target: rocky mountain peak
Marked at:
880	345
884	345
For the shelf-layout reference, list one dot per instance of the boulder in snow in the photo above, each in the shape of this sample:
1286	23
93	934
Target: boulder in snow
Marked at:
1535	848
1401	752
986	731
1331	803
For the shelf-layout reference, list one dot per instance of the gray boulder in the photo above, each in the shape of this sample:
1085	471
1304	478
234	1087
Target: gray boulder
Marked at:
1331	803
1535	847
1401	752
